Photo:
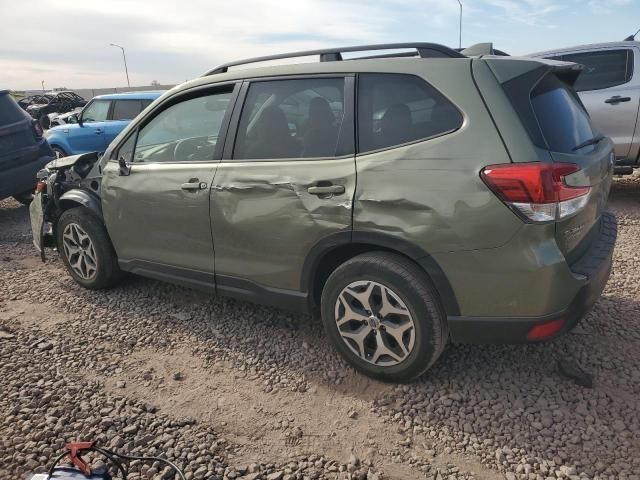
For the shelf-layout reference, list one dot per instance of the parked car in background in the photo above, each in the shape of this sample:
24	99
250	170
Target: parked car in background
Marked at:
609	87
59	102
409	201
56	119
93	129
23	150
36	99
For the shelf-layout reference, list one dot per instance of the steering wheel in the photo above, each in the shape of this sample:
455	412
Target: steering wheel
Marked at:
188	148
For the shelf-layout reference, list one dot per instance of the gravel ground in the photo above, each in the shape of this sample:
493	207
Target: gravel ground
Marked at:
231	390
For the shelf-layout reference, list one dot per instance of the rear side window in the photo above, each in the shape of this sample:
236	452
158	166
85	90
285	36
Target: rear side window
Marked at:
394	109
10	111
126	109
291	119
602	69
562	118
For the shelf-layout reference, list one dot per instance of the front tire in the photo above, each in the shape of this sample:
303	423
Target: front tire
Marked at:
384	317
86	250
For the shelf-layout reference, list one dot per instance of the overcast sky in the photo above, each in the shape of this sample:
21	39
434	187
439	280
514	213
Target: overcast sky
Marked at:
66	42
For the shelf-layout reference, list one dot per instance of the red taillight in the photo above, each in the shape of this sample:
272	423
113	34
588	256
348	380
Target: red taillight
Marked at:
41	187
545	330
536	189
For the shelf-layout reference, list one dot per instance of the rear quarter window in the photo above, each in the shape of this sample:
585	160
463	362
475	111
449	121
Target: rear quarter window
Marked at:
561	116
10	111
395	109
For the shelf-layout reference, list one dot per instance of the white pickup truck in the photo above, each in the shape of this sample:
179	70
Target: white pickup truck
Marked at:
609	87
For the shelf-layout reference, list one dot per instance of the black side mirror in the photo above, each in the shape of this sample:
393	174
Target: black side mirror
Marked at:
125	167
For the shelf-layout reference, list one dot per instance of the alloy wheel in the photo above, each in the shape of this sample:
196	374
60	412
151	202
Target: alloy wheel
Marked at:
375	323
79	250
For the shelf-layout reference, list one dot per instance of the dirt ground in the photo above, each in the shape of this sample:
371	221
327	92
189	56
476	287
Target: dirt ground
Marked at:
272	392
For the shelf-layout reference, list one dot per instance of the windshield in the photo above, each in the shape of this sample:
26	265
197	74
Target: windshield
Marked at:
563	120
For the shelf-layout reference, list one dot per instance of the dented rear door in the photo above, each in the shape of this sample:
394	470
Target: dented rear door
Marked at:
287	181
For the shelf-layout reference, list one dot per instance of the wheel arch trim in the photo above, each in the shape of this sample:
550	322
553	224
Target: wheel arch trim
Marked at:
334	241
83	198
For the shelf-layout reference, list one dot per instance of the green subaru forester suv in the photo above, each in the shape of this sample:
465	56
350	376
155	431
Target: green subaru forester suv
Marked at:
410	198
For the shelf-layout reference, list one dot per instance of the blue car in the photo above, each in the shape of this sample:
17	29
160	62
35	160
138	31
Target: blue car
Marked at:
99	122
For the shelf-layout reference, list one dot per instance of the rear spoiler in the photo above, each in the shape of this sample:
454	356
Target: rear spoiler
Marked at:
507	70
480	49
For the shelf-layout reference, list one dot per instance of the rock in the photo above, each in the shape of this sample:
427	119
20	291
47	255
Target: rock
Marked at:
130	429
618	425
275	475
117	442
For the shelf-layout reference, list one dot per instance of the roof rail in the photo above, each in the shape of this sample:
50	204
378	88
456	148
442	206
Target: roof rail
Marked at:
424	50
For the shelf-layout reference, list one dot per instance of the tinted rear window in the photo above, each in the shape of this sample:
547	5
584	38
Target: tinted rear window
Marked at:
394	109
562	118
126	109
10	111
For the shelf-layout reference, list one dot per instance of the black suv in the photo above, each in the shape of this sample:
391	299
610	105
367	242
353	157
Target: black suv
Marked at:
23	150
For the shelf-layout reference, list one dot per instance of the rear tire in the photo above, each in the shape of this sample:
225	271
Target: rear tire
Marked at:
86	250
24	198
397	329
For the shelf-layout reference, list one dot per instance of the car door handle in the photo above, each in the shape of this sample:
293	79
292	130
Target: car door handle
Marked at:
194	185
617	99
98	131
326	190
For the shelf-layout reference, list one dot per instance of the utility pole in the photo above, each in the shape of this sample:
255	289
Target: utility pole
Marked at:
460	43
124	57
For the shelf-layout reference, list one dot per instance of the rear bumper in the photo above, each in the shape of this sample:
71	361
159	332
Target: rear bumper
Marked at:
595	266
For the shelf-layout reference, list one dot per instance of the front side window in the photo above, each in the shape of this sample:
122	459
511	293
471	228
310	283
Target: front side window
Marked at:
125	152
291	119
602	69
563	120
394	109
126	109
185	131
97	111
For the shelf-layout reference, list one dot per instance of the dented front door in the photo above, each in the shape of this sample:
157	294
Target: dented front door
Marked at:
286	181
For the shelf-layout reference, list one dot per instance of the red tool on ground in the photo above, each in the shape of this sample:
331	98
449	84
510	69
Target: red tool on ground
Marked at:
81	470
